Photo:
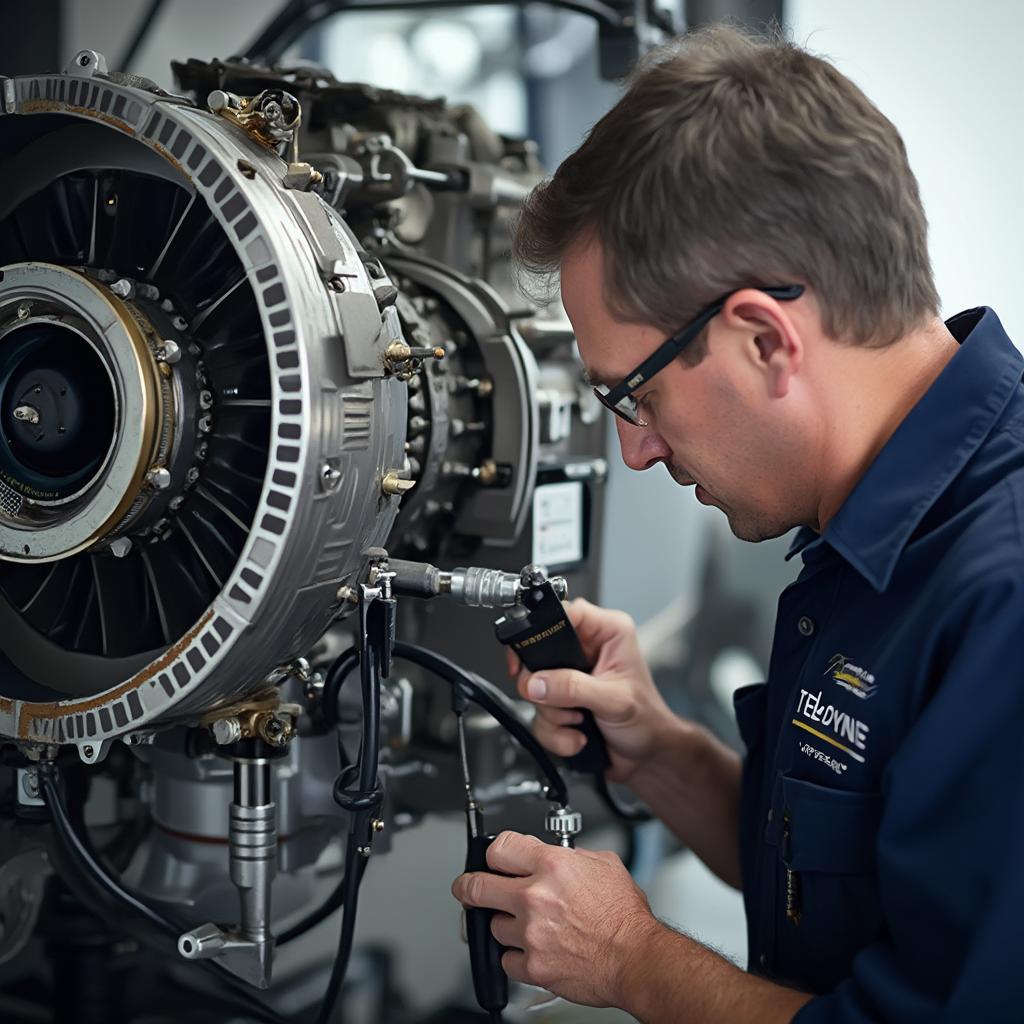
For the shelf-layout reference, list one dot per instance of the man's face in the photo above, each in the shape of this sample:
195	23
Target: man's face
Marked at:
713	425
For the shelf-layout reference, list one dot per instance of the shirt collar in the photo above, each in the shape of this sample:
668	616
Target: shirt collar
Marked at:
926	452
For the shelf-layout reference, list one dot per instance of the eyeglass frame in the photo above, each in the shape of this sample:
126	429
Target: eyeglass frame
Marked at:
672	346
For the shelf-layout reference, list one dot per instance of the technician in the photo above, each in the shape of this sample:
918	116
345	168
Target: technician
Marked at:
749	191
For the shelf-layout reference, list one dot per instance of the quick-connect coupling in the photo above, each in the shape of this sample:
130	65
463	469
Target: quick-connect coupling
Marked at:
484	588
564	824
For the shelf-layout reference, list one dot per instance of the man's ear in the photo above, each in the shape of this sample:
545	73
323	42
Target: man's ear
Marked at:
768	337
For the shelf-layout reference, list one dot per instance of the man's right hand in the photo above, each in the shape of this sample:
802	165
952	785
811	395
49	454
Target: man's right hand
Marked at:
630	712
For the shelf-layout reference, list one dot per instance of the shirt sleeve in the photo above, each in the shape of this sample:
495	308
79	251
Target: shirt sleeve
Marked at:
951	839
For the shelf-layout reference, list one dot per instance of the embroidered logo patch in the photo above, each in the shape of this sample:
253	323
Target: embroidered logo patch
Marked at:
859	681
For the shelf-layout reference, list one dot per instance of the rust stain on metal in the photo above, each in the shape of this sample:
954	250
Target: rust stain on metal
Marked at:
55	107
61	709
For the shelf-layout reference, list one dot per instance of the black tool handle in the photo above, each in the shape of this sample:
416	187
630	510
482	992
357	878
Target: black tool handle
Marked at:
489	979
544	638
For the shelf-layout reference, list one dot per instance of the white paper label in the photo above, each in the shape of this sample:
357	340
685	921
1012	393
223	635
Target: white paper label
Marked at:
558	523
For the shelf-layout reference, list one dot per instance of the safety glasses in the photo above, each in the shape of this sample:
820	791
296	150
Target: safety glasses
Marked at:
619	398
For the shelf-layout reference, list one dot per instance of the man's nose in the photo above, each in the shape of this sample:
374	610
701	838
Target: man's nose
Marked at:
642	447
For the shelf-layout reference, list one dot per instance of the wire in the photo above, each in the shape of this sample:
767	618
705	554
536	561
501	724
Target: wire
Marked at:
493	702
481	692
364	802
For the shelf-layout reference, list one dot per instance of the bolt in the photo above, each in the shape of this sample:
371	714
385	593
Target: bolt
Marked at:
88	752
202	450
226	731
331	476
191	476
120	547
27	414
169	352
24	310
205	400
378	825
123	288
176	503
179	322
205	424
30	784
347	594
394	484
159	478
83	60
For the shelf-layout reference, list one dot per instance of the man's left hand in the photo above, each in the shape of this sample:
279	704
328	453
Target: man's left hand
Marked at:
573	919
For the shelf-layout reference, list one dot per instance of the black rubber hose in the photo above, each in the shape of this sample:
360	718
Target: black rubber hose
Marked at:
351	882
457	676
362	811
482	694
474	689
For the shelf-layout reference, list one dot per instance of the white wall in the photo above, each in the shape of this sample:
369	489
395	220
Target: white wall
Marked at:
947	74
184	28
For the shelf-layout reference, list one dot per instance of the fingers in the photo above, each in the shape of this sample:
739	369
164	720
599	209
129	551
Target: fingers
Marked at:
559	716
513	963
564	741
482	889
597	626
507	930
514	664
512	853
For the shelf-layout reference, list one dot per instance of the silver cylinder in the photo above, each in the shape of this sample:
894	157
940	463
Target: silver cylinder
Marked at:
252	845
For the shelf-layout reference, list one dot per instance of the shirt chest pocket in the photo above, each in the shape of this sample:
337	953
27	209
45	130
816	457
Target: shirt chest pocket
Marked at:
829	906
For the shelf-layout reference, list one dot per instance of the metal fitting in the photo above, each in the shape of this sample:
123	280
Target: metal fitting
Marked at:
564	824
394	483
226	731
120	547
159	478
123	288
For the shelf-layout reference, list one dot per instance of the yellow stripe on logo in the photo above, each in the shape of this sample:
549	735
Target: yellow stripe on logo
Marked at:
828	739
847	678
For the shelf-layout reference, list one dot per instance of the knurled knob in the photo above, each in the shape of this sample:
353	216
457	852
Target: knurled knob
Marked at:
563	822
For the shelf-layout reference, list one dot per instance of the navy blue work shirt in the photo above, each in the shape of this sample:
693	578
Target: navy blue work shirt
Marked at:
882	825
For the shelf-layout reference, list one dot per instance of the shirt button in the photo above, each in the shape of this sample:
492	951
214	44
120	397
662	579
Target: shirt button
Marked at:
805	625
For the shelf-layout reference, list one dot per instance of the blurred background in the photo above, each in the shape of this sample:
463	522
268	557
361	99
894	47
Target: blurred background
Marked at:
944	72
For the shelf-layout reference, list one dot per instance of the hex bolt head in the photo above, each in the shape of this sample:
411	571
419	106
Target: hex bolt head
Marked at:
120	547
123	288
159	478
